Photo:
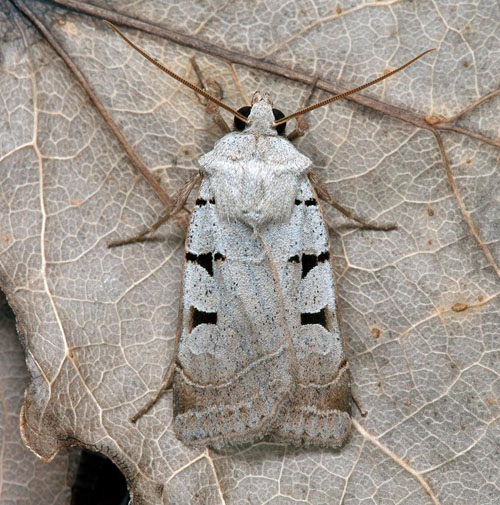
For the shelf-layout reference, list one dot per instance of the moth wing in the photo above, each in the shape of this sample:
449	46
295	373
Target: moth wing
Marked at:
319	412
234	369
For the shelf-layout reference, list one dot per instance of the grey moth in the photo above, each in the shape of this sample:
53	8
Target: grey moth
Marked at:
260	352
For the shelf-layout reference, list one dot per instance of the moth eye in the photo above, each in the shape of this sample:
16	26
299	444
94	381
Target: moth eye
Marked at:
278	115
238	123
245	111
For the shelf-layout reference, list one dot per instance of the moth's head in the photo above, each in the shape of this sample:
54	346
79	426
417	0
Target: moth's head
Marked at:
261	117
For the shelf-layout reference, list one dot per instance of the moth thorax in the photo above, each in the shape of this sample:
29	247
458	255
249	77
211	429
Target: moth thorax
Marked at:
256	195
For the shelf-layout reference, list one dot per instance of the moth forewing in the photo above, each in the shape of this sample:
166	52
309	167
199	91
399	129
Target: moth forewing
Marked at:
319	413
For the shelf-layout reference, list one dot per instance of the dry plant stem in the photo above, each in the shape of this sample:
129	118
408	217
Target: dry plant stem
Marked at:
237	81
463	210
312	89
213	111
201	82
463	131
471	107
323	193
141	236
301	126
168	378
180	201
150	178
364	225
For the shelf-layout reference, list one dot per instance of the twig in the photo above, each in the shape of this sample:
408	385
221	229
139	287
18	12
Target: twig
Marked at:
463	210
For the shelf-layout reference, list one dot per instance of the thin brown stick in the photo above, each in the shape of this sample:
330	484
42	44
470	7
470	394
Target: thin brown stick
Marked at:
165	386
213	111
472	106
468	133
363	224
463	210
211	108
141	236
356	401
237	81
201	81
141	167
257	63
312	89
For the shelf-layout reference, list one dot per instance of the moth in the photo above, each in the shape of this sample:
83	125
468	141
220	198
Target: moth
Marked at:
259	352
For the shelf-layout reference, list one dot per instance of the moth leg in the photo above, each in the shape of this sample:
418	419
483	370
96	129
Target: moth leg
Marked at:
301	124
166	385
323	193
180	201
213	111
211	108
356	401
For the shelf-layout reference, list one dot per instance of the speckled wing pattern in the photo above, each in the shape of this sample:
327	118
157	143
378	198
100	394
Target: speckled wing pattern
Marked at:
234	358
260	351
319	411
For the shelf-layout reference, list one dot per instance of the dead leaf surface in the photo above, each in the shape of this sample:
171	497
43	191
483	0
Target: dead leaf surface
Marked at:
423	151
24	479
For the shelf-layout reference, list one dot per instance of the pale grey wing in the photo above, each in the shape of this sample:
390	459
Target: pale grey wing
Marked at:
234	367
320	410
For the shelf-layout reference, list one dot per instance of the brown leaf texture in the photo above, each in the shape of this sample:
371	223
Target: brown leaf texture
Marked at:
420	149
24	479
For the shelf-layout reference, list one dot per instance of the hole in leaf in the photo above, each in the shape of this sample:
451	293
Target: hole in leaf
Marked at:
98	482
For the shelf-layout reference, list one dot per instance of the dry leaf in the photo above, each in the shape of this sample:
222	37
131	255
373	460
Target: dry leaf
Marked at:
24	479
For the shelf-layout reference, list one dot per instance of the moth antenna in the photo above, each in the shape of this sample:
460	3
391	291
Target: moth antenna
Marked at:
350	92
195	88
